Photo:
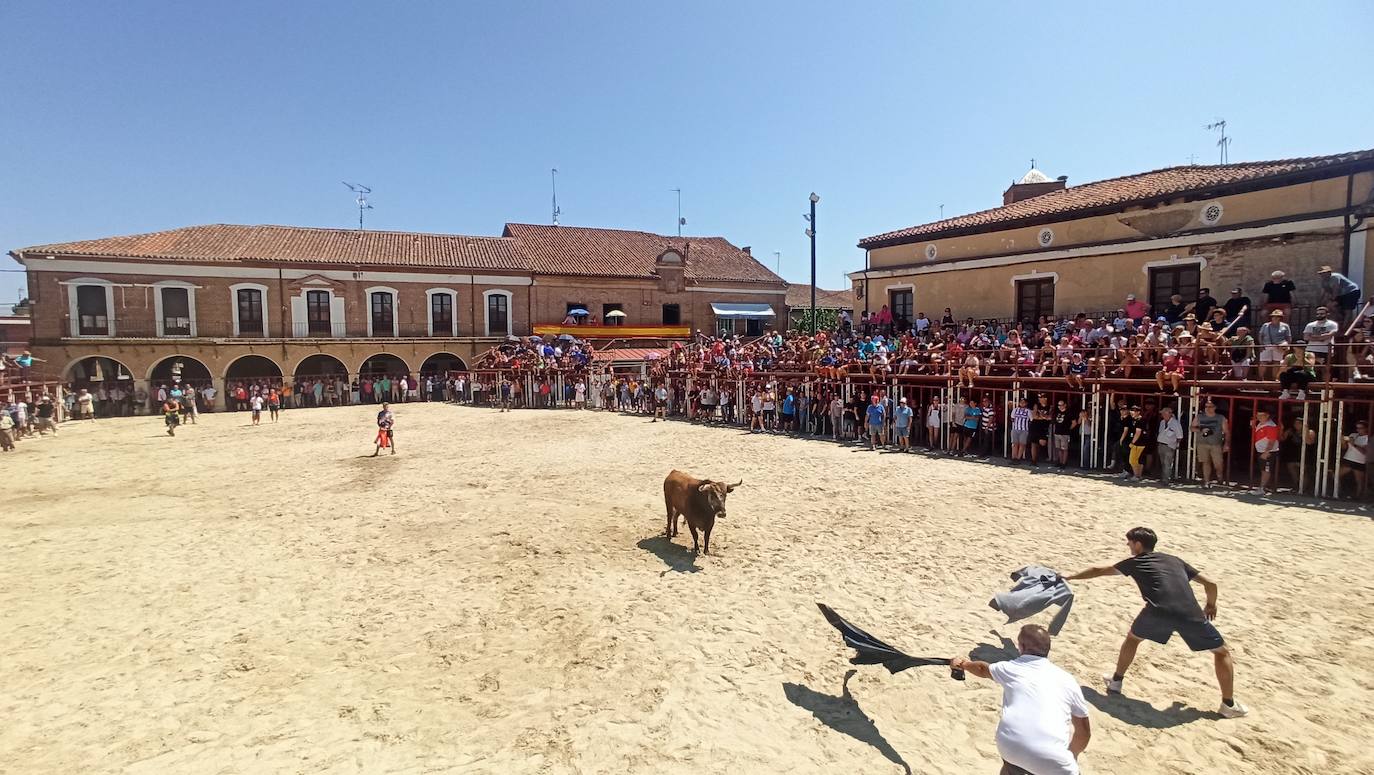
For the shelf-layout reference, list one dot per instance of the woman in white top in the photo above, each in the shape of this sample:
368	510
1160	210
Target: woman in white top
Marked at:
580	395
756	406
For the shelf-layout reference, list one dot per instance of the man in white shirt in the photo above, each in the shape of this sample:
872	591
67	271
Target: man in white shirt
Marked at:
1039	704
1170	433
1319	335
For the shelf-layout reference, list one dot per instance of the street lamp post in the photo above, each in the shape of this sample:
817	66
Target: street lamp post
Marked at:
811	232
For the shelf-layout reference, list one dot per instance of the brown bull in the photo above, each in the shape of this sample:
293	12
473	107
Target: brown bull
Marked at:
701	501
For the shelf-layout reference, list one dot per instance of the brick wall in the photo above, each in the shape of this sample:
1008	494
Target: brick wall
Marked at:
1248	264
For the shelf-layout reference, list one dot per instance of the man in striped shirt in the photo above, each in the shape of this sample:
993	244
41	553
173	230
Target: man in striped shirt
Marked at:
1020	429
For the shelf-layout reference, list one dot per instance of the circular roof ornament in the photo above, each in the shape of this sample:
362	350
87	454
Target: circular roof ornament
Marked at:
930	252
1046	237
1211	214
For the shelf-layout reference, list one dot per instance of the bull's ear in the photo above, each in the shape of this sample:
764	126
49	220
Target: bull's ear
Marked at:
704	487
731	487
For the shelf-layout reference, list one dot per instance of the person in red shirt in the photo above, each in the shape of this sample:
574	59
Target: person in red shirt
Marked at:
1174	366
1266	435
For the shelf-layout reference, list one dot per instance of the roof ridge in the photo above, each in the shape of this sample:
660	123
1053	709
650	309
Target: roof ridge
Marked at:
621	231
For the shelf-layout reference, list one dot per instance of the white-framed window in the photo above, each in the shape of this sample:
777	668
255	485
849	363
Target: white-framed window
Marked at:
381	310
174	308
317	312
441	311
496	312
248	307
90	306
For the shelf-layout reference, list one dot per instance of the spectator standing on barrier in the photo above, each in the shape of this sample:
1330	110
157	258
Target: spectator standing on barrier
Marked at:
1238	308
1212	440
1266	438
1275	337
901	425
1135	309
1355	456
1339	292
1319	334
1168	436
1205	304
1278	293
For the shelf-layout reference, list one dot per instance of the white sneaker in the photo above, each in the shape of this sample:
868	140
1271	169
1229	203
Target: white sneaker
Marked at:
1285	395
1113	687
1233	711
1302	395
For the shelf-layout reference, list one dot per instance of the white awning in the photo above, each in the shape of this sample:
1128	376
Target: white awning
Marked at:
732	310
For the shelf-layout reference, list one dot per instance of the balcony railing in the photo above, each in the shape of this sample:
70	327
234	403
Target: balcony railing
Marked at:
319	330
181	328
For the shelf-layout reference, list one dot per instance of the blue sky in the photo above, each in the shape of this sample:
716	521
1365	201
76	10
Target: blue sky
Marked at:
137	116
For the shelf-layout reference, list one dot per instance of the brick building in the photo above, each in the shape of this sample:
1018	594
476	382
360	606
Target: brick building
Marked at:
227	301
1055	249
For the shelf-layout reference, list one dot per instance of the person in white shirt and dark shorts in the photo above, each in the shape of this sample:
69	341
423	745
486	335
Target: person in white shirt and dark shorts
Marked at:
1044	724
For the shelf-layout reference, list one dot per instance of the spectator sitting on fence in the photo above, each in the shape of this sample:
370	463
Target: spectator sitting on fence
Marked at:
1172	370
1299	370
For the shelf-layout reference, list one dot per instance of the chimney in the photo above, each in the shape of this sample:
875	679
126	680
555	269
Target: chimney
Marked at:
745	250
1023	190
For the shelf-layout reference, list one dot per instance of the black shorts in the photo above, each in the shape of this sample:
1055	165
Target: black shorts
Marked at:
1155	625
1348	301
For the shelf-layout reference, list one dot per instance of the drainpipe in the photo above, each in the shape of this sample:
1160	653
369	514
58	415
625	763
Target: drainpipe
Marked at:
281	312
865	279
1345	246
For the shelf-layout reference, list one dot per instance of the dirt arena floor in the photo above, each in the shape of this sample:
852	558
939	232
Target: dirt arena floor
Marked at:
498	598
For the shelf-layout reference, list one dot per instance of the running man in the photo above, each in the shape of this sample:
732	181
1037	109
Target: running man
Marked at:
1170	607
1040	703
386	426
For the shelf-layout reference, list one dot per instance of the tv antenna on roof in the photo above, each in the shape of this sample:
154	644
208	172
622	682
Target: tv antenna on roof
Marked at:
362	192
553	176
680	220
1225	142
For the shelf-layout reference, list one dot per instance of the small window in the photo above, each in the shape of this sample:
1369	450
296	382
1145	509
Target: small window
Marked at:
725	326
249	301
498	314
317	311
92	313
383	313
176	311
753	327
672	315
613	320
1166	281
441	314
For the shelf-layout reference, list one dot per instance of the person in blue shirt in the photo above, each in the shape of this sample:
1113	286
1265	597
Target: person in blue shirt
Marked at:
901	424
973	414
789	411
876	416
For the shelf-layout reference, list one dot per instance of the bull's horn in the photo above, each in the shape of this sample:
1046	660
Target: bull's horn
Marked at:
730	487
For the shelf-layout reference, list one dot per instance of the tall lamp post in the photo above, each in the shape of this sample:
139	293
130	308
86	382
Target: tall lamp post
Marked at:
811	232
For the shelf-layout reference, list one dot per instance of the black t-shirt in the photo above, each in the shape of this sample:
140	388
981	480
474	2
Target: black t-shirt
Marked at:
1163	581
1173	312
1280	293
1063	423
1129	425
44	411
1203	308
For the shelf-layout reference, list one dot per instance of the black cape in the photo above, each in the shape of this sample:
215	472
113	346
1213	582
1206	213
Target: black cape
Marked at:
871	651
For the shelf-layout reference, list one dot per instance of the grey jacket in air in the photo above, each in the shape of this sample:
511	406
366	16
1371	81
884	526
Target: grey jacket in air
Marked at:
1036	589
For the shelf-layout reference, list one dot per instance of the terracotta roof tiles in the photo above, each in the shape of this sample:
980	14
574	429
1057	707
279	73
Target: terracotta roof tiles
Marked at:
1117	192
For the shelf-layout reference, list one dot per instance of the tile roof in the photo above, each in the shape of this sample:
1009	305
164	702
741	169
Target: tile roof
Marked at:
1119	192
799	295
303	245
573	250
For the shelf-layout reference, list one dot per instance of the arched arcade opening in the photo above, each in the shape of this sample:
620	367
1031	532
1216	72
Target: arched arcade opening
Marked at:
321	380
110	383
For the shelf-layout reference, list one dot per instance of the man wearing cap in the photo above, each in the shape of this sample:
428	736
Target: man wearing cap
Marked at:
1238	307
1339	292
901	423
1136	310
1278	293
1274	339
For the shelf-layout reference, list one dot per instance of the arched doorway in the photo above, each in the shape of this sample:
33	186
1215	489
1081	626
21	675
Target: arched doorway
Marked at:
179	368
321	380
437	367
108	380
380	378
253	368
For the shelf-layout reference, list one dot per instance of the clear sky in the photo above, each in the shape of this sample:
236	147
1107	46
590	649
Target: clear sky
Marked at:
124	117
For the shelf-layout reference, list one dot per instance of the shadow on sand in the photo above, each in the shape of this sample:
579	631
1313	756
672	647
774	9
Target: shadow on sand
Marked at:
1142	714
843	715
678	558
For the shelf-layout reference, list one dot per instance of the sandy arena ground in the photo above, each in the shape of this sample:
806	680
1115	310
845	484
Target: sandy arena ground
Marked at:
498	598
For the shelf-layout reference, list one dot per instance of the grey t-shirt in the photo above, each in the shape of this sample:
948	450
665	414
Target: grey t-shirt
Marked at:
1209	429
